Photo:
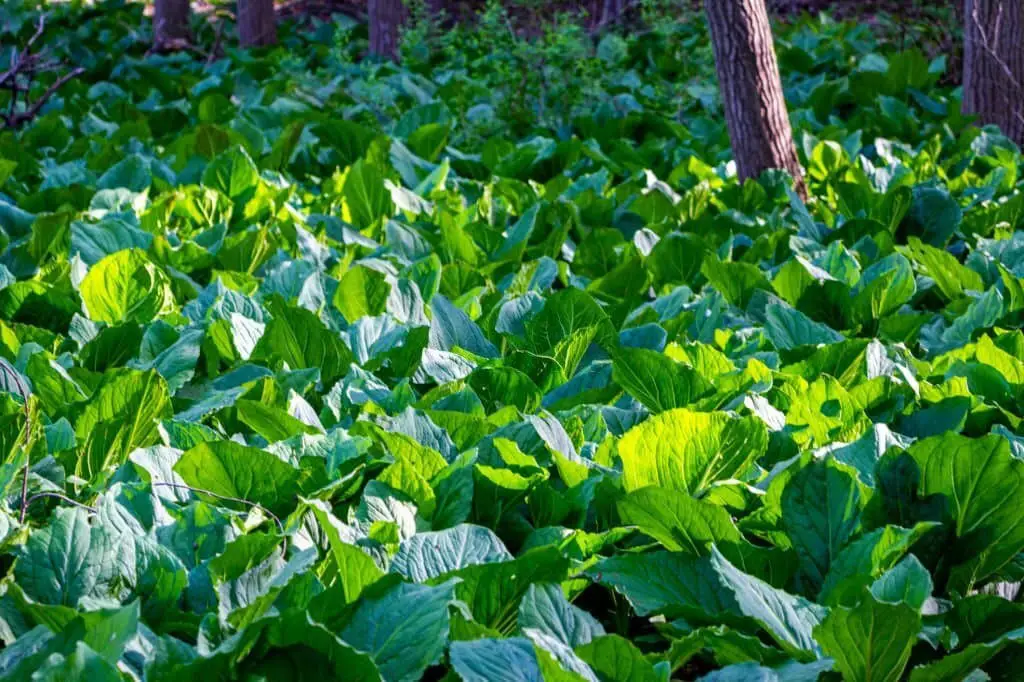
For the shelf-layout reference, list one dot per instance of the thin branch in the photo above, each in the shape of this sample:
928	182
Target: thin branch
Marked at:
228	498
58	496
218	34
18	59
31	112
26	67
39	32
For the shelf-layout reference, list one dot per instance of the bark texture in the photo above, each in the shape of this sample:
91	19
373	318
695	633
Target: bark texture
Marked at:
748	76
611	12
170	24
257	24
994	64
386	19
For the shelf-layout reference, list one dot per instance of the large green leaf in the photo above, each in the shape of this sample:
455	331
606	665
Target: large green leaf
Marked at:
297	338
428	555
978	479
677	520
710	590
656	380
229	472
356	569
361	291
821	513
404	630
615	659
496	660
126	287
688	451
545	609
67	561
870	642
366	199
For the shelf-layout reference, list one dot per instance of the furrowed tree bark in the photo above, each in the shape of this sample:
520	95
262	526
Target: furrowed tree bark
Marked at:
386	19
257	24
994	64
170	24
748	77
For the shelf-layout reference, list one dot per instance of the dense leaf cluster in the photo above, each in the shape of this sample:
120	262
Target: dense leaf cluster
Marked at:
332	370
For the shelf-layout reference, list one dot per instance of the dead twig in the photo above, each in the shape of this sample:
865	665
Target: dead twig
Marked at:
33	109
227	498
25	67
58	496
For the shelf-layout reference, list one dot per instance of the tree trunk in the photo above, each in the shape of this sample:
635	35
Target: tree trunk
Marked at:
748	77
386	18
257	24
994	64
170	24
611	12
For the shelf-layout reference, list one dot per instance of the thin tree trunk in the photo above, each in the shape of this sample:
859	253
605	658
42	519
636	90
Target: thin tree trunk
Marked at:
170	24
994	64
257	24
748	77
611	12
386	19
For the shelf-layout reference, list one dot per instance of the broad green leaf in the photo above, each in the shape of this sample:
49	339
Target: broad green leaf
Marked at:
452	328
688	451
545	609
656	380
882	289
496	660
951	277
736	281
934	214
710	590
123	414
232	173
361	291
821	512
677	520
615	659
865	559
676	259
67	561
429	555
494	591
366	200
126	287
979	480
226	472
789	619
297	338
404	630
907	582
273	423
870	642
356	569
788	328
